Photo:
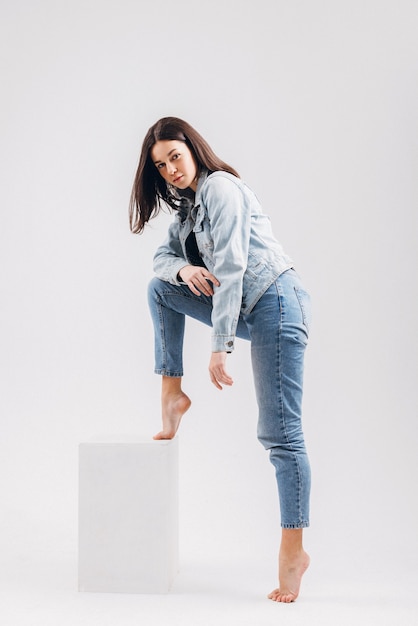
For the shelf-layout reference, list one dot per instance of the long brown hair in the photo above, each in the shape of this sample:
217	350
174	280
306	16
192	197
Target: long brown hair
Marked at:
149	188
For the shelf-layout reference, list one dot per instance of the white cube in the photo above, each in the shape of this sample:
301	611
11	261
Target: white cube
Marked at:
128	515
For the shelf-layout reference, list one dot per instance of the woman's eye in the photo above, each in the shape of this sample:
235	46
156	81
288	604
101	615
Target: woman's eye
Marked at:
160	165
175	157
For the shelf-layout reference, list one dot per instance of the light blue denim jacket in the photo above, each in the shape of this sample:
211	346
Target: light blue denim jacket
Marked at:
236	243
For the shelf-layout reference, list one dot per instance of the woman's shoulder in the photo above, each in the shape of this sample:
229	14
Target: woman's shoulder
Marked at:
222	183
220	175
222	189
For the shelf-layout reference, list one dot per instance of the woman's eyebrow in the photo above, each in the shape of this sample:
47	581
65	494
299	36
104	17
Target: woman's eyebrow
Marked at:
173	150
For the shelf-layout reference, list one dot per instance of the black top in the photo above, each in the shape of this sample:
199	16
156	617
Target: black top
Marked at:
184	207
193	254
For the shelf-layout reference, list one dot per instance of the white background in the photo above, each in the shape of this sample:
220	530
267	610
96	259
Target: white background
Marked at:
315	104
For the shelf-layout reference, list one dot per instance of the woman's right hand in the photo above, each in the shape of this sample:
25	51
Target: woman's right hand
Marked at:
217	371
197	278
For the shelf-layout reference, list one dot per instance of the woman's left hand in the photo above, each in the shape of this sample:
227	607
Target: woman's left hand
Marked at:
217	370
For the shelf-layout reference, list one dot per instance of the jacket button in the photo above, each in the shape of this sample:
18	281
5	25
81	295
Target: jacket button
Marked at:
230	344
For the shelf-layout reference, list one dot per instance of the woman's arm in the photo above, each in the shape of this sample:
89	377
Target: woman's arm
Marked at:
171	266
169	258
230	225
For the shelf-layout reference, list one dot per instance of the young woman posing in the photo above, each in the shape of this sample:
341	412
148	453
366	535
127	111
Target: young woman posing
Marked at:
222	265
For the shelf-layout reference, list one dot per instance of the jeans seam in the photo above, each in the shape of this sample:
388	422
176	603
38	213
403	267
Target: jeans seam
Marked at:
281	404
302	308
163	340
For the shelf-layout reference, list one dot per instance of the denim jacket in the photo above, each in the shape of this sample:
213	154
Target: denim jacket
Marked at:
236	243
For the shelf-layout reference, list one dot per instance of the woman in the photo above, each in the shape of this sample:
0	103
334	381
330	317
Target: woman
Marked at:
221	264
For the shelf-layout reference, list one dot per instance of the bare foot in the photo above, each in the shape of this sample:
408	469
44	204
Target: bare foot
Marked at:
174	406
291	571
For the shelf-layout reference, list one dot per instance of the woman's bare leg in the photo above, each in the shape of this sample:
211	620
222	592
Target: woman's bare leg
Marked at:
293	562
174	403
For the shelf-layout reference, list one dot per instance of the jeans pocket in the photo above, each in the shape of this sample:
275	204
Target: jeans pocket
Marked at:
304	300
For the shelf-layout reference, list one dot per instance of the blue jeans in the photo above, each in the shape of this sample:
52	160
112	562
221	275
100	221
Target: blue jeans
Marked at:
278	329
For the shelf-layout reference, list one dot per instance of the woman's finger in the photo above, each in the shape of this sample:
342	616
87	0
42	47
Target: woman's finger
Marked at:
192	288
218	377
215	382
200	282
205	287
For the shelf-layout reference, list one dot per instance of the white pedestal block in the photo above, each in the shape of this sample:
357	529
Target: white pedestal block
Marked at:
128	515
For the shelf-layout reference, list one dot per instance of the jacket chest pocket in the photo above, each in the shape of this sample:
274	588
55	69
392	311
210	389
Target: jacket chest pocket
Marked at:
202	232
200	218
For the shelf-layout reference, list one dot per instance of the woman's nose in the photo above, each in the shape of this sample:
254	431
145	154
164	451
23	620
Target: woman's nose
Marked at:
171	168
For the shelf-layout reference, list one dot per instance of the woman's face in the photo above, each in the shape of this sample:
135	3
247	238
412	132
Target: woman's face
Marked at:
175	162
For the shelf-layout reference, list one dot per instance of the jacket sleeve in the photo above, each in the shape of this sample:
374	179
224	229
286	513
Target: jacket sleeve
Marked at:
169	258
230	226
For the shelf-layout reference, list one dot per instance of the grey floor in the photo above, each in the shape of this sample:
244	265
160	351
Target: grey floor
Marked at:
39	587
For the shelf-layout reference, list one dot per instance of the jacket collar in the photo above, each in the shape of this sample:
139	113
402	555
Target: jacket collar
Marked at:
202	178
189	202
